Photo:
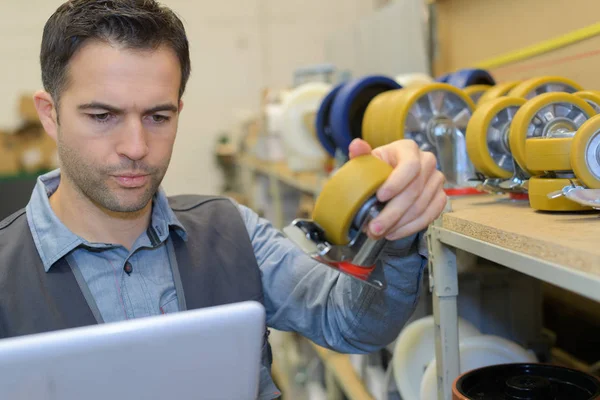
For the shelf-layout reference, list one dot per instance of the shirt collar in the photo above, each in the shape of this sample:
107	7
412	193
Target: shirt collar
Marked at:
54	240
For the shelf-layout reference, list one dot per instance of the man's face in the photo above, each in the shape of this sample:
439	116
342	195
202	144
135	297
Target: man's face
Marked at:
118	120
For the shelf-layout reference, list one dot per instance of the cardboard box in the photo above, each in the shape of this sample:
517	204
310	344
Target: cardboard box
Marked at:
8	156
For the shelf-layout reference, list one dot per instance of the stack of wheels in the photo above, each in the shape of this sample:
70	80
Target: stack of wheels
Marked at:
415	349
555	138
340	115
435	116
488	141
526	381
342	205
298	112
414	362
488	131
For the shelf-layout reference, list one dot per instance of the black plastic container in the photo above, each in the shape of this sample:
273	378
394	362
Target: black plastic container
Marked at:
526	382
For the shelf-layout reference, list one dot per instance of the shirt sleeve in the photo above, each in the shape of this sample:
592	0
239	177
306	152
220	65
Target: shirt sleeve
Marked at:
332	309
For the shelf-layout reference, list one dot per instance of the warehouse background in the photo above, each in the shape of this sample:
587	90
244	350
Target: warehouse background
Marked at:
238	48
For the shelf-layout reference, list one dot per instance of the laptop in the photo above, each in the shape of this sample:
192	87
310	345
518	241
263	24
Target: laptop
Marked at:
212	353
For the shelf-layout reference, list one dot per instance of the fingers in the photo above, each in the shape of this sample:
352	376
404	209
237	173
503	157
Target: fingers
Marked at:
405	157
359	147
434	186
396	208
432	212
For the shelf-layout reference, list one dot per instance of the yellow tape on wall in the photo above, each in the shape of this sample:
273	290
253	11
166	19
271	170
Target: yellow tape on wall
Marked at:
541	48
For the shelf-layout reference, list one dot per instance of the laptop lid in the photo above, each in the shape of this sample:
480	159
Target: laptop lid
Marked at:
211	353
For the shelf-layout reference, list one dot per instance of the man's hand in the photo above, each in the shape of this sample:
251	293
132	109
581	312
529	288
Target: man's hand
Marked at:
413	192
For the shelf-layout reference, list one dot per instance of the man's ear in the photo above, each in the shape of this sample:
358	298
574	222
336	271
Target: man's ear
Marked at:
46	109
180	105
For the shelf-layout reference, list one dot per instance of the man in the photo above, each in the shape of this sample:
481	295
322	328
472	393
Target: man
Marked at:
100	241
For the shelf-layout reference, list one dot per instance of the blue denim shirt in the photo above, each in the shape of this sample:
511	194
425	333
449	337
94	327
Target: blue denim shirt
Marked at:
301	295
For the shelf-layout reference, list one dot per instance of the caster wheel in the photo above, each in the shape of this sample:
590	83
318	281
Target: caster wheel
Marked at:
536	86
525	381
420	113
585	153
408	80
549	154
338	207
476	91
349	107
592	97
469	77
499	90
539	188
377	116
304	152
323	124
549	115
487	137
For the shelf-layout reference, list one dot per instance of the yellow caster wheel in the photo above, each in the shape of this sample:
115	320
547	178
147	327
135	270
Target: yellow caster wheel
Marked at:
549	115
339	204
374	118
592	97
487	137
476	91
536	86
539	188
377	118
499	90
549	154
585	153
421	113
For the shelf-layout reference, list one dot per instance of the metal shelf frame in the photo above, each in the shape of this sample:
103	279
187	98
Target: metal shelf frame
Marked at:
442	245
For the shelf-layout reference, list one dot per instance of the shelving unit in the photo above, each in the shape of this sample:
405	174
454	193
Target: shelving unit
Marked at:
278	174
561	249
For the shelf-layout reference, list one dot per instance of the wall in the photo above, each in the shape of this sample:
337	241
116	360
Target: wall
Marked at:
238	48
390	41
473	30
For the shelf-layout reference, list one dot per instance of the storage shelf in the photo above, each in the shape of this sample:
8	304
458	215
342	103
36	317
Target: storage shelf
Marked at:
557	248
308	182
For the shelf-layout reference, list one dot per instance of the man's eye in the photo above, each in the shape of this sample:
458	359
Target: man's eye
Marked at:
103	117
158	119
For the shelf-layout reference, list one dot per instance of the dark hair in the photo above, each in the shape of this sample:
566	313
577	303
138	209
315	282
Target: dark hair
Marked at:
135	24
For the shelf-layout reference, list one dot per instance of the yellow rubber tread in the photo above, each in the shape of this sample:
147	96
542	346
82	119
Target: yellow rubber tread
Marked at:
523	117
499	90
586	132
539	188
344	194
393	106
410	96
591	96
548	154
476	91
371	118
476	135
525	89
376	116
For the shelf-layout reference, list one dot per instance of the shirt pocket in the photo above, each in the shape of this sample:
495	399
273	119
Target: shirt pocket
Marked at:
168	303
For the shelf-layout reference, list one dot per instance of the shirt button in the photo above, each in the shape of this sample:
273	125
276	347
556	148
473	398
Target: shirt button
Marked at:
128	268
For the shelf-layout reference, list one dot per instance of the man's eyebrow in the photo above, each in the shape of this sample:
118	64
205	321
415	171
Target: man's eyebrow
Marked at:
101	106
162	107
